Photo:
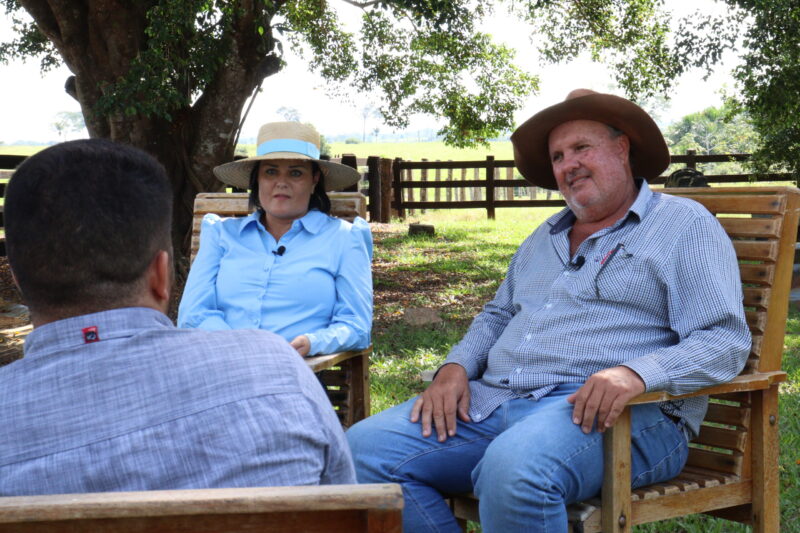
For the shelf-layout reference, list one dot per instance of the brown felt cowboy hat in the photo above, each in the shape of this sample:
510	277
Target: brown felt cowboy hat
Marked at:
649	153
287	140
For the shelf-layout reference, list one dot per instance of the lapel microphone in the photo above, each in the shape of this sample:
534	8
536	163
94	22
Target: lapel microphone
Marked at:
575	265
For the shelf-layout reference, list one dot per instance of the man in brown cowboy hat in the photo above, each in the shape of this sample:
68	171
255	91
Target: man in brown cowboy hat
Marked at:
626	290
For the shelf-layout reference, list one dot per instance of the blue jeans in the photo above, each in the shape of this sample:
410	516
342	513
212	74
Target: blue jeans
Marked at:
525	462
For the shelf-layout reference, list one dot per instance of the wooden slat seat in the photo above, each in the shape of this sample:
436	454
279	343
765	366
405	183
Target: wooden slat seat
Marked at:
313	509
345	375
732	469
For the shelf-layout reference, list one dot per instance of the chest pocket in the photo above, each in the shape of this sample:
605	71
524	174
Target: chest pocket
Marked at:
618	280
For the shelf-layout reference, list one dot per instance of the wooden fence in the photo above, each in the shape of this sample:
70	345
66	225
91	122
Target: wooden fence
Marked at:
491	184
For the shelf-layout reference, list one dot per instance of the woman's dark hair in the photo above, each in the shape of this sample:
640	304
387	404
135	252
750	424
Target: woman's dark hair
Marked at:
319	198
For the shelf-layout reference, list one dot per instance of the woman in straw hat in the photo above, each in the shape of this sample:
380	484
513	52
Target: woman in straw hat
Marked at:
289	267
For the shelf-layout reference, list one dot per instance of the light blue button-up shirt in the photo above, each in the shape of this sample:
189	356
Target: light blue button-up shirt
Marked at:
658	292
122	400
319	286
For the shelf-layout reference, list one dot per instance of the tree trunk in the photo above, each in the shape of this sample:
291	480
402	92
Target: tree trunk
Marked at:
98	40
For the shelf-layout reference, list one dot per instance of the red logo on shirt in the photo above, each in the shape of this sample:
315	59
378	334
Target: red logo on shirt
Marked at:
90	334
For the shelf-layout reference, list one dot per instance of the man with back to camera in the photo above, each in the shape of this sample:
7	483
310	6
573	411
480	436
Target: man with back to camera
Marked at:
627	290
110	396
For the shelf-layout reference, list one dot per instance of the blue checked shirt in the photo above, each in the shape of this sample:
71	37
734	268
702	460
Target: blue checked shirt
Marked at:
659	292
122	400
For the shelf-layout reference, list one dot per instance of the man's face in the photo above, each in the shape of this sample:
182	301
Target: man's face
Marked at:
591	168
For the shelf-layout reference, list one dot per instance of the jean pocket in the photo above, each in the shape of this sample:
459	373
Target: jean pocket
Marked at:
659	455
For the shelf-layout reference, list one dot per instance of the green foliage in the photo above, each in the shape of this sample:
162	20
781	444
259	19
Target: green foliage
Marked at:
769	79
186	42
767	32
29	41
631	35
724	130
457	74
414	56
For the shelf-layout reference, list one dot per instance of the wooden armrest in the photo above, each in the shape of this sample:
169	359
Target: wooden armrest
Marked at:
199	502
318	363
741	383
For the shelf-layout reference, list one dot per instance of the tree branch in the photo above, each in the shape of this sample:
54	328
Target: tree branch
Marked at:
363	5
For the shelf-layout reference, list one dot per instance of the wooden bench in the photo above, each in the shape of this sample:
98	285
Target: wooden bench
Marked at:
332	508
732	471
345	375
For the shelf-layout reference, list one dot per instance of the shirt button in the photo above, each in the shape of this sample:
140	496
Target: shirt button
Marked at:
548	306
518	371
528	337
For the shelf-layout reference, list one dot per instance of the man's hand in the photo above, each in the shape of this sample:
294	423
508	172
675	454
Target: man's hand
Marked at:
604	396
446	396
301	344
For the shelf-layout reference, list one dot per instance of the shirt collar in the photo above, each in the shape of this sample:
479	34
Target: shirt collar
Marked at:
566	218
94	328
311	221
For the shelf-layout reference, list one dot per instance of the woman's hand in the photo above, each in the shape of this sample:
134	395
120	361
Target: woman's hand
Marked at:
301	344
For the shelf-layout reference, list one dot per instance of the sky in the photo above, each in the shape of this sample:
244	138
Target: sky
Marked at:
31	100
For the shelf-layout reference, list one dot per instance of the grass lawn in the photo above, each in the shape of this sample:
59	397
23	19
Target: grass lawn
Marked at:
455	272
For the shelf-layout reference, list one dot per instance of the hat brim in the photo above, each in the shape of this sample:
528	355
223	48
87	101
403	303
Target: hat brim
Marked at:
649	153
237	173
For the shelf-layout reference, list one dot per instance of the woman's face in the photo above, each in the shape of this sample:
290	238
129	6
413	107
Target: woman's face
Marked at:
285	187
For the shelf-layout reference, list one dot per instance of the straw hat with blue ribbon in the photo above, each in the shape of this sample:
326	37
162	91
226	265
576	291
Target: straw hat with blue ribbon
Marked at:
287	140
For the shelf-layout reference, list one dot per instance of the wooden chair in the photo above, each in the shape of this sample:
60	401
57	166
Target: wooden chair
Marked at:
345	375
732	471
315	509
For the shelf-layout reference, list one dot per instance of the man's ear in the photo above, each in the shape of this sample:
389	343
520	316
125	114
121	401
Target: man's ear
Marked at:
624	144
159	278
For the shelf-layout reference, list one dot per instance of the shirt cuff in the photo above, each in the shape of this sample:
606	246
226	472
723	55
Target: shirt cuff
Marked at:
313	342
654	377
469	364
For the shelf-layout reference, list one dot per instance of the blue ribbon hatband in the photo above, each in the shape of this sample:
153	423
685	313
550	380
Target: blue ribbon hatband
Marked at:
288	145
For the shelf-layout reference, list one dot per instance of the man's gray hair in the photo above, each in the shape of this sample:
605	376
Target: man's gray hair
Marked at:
614	132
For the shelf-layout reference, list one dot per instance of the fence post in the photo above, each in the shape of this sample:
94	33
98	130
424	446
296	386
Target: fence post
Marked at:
398	191
691	163
490	187
385	179
351	161
449	193
461	193
374	182
423	193
437	176
509	176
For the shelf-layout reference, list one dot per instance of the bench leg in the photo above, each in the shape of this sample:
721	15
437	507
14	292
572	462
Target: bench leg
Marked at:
616	494
360	386
766	496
